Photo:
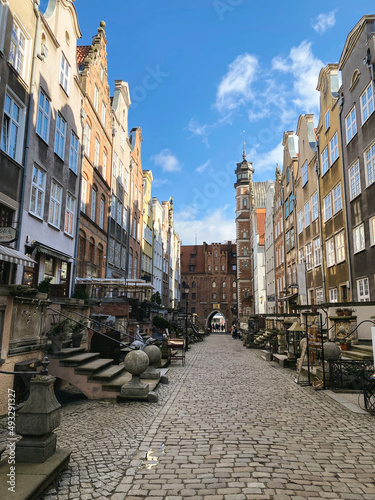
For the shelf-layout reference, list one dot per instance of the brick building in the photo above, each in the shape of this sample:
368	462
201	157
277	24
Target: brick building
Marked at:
96	167
210	272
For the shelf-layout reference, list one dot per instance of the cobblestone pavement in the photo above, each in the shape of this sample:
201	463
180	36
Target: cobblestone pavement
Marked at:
228	426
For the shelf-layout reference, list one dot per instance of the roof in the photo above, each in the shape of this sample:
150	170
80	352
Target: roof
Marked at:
82	53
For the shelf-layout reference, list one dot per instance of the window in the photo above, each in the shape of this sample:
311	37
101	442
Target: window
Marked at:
214	296
244	203
64	73
337	200
319	295
367	103
327	207
114	169
330	252
224	284
372	230
354	181
73	152
359	238
287	241
370	164
308	257
44	111
102	212
224	296
245	252
93	202
84	195
55	204
69	214
122	138
340	247
96	154
350	125
223	267
304	173
307	214
103	114
60	136
314	206
333	149
333	294
291	199
104	167
325	164
213	284
244	234
301	255
287	175
327	120
11	137
38	184
363	290
234	267
17	52
245	264
209	268
119	212
96	98
87	138
317	252
287	208
292	237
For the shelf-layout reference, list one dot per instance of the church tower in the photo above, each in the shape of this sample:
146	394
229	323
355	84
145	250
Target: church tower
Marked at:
244	188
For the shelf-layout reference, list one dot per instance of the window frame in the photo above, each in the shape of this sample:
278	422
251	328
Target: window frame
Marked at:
324	158
364	282
336	200
354	181
69	214
317	251
64	78
314	206
351	125
359	238
19	63
327	207
330	252
304	174
60	136
73	152
369	162
307	213
334	150
17	145
340	247
43	117
55	203
366	107
38	189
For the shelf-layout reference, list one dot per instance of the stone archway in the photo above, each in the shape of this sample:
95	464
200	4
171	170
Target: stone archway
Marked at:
210	317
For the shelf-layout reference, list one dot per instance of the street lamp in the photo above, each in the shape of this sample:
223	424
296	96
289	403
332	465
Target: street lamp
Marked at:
186	289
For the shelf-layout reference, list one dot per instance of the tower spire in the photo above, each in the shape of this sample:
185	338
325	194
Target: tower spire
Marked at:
244	147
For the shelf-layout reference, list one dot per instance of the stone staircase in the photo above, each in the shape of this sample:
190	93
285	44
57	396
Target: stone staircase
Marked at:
358	352
95	377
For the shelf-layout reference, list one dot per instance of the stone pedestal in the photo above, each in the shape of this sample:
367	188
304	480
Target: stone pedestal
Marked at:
154	356
36	420
136	362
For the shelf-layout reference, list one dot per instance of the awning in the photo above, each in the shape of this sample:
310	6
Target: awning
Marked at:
39	247
14	256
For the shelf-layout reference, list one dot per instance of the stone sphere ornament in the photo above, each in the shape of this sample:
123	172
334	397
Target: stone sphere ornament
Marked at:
331	351
153	354
136	362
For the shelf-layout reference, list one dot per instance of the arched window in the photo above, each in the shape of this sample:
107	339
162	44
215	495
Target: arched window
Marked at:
193	285
102	212
100	259
224	284
213	284
92	251
94	193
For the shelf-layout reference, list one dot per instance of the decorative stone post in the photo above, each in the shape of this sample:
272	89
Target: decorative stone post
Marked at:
154	356
36	420
136	362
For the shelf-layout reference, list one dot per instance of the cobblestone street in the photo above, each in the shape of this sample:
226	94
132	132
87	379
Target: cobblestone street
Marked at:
228	426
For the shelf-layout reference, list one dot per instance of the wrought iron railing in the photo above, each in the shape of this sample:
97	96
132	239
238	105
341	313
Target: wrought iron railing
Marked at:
350	374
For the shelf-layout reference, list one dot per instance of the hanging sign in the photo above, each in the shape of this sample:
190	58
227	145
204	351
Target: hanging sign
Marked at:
7	234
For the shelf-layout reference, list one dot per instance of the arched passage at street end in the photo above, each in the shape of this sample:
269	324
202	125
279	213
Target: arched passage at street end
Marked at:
216	322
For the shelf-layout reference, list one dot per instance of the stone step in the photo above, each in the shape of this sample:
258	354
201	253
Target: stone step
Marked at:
116	384
80	359
109	373
94	366
69	351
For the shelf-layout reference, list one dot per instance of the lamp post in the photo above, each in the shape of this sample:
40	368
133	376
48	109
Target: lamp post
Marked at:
186	289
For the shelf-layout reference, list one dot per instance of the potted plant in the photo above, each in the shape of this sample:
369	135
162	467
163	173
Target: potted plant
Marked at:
345	344
58	333
348	311
340	312
77	329
44	288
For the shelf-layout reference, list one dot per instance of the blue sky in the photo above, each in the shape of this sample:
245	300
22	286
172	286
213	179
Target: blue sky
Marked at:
203	74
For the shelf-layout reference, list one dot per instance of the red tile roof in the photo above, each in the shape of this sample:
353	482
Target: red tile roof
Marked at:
82	52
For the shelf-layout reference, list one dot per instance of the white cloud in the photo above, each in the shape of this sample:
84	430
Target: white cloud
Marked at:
159	182
167	161
215	227
266	162
323	22
235	87
199	130
203	167
304	67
